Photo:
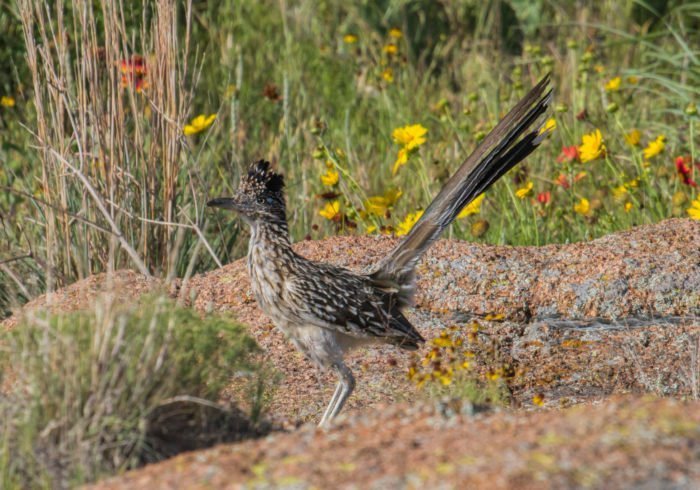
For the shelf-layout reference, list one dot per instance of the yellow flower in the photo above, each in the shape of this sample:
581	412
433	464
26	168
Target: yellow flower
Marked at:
538	400
199	124
583	207
632	138
379	205
388	75
410	137
7	101
349	38
473	207
694	209
619	192
628	207
330	177
395	33
549	126
655	147
401	160
391	49
330	210
592	146
524	191
613	84
405	226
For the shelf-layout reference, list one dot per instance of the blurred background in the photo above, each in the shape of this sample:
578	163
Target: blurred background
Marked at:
118	120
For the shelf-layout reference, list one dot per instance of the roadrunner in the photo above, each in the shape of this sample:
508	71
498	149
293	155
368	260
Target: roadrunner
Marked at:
326	310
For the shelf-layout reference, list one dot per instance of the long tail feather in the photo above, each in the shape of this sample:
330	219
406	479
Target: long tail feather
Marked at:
502	149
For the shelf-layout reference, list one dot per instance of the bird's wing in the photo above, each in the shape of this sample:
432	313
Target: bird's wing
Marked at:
336	298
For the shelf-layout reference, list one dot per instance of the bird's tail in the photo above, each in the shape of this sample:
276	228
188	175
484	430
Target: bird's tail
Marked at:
505	146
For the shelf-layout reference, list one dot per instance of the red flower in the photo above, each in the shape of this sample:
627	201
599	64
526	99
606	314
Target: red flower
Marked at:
135	65
685	170
544	197
563	181
568	154
134	73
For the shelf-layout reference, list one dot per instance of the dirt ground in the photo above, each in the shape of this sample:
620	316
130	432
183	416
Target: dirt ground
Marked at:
604	336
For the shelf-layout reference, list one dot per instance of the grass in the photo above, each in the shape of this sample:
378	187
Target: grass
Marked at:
93	393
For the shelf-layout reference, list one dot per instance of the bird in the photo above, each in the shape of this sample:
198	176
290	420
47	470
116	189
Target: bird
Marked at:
326	310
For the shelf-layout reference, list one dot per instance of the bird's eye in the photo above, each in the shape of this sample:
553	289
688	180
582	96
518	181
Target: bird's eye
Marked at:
261	200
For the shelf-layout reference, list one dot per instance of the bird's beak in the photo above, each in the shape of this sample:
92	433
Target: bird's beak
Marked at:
224	203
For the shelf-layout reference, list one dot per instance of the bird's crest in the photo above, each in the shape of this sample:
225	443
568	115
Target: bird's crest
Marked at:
261	179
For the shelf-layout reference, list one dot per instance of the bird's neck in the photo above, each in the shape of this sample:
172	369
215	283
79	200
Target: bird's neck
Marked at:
269	234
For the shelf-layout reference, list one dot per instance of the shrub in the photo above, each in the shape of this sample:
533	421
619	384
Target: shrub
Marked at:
105	390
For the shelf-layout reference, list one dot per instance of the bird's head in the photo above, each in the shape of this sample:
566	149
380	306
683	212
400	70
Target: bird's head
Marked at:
260	195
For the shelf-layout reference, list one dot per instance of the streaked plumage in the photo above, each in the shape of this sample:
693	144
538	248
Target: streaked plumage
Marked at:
326	310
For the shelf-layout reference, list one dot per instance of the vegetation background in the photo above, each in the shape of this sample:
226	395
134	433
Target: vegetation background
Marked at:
120	119
104	165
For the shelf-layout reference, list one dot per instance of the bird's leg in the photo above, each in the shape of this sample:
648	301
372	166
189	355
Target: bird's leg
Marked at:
329	409
347	382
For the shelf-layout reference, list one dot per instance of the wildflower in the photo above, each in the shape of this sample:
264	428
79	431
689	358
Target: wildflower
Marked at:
405	226
628	207
549	126
599	68
410	137
544	197
579	176
388	75
473	207
271	92
694	209
538	400
349	38
199	124
691	109
563	181
379	205
568	154
619	192
391	49
613	84
479	228
331	210
524	191
583	207
655	147
7	101
401	160
330	178
685	170
395	33
633	137
133	72
592	146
